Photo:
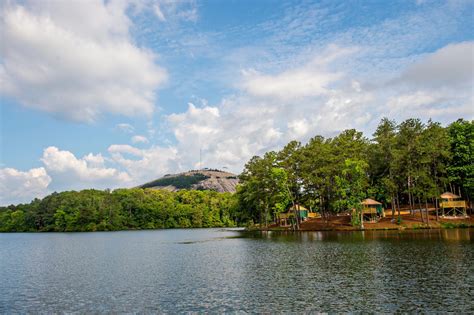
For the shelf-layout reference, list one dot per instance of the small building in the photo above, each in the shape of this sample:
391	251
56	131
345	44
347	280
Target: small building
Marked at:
452	205
285	218
372	210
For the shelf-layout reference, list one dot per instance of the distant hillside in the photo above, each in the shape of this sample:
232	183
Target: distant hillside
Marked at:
206	179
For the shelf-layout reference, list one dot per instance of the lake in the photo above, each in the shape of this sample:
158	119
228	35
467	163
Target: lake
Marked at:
222	270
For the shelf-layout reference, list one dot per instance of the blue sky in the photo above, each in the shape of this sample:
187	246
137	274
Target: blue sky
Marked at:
112	94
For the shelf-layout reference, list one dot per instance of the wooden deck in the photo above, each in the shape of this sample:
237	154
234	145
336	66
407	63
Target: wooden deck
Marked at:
367	210
453	204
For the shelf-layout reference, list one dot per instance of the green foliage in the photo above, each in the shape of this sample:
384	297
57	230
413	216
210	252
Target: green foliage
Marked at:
399	220
95	210
419	227
461	166
451	225
264	191
383	185
352	187
180	181
402	163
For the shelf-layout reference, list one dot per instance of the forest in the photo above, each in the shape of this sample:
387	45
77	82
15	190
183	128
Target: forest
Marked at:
121	209
410	164
407	164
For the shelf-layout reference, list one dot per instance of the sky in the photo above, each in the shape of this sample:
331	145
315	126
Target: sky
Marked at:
108	94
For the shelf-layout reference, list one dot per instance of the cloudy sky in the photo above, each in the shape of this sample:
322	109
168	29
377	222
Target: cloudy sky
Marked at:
106	94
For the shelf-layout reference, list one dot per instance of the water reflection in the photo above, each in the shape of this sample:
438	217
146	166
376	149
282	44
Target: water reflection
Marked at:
219	271
375	271
422	234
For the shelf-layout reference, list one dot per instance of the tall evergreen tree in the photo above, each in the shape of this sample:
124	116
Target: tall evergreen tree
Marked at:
461	166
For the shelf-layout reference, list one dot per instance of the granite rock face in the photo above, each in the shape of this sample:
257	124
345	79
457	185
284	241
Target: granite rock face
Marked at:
205	179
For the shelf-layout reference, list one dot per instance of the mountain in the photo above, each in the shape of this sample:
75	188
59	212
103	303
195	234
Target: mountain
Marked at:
205	179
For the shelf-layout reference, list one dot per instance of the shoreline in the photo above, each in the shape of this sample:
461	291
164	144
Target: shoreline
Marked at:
342	223
402	228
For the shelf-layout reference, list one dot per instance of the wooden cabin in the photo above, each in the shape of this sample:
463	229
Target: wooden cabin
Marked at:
285	218
372	210
452	205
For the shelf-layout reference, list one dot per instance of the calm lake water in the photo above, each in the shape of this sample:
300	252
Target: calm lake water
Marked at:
215	270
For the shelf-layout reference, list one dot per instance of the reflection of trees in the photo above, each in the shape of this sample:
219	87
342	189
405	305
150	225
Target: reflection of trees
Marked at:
456	234
376	271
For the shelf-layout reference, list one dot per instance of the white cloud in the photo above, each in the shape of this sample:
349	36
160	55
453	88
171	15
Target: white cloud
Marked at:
310	80
452	65
169	10
124	148
159	12
199	121
439	105
262	119
56	63
146	164
314	98
96	160
17	186
69	172
139	139
298	128
64	171
226	135
438	85
125	127
256	120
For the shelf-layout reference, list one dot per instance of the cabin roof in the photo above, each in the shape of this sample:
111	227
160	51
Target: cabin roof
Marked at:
448	195
295	207
370	202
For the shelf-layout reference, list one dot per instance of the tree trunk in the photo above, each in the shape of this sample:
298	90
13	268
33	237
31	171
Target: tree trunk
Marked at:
398	207
266	216
327	209
295	226
298	219
435	199
392	203
410	197
321	204
421	211
427	212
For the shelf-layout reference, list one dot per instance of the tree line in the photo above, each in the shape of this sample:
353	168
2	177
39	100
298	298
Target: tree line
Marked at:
121	209
408	164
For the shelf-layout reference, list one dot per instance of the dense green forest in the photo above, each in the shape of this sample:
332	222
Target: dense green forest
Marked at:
410	163
121	209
